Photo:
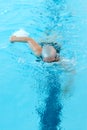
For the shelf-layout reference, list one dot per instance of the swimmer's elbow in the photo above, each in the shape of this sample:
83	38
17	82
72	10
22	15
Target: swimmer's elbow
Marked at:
38	52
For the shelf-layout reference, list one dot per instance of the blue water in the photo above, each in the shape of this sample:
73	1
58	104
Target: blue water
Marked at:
36	95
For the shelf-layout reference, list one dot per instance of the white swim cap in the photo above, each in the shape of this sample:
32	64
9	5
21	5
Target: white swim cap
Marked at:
49	52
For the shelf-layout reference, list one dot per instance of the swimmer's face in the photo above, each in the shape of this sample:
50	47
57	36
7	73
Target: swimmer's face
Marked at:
53	59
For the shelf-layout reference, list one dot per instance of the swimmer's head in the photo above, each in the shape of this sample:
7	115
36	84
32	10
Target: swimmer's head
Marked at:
49	53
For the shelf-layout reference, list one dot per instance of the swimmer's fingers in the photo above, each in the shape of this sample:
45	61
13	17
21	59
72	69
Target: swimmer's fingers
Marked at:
12	39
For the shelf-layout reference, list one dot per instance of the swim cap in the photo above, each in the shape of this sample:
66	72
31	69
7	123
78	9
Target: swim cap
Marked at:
48	52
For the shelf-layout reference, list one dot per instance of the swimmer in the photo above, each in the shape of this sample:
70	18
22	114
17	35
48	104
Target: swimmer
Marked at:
47	52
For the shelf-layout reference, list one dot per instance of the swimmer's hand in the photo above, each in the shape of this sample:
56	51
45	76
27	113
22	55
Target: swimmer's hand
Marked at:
12	39
18	39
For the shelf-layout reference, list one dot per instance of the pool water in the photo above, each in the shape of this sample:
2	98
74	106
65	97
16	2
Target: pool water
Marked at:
43	96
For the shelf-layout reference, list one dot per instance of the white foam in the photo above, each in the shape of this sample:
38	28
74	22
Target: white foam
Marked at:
21	33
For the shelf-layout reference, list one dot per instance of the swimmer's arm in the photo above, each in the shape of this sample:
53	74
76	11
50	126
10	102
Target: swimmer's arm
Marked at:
36	48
